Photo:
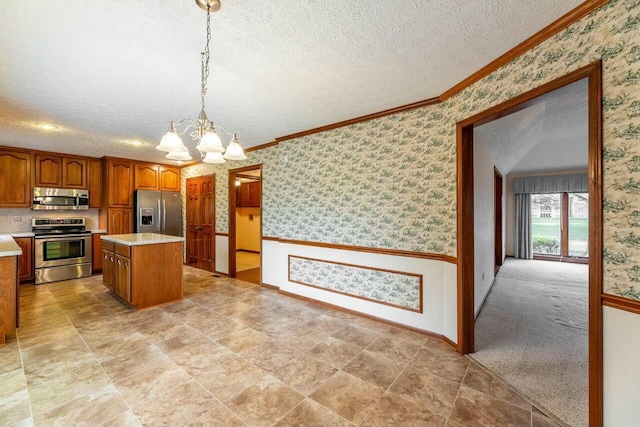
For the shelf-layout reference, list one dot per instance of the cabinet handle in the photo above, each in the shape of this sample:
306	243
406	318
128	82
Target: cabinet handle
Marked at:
118	262
105	257
111	259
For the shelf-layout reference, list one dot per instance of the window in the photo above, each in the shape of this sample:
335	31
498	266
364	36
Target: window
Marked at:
550	213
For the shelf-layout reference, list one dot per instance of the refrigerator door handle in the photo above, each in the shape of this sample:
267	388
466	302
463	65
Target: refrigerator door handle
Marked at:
164	215
158	221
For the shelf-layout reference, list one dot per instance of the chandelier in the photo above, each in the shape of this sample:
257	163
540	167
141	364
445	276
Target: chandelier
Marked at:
203	130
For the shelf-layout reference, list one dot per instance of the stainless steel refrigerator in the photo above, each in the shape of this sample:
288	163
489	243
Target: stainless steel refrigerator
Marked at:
158	212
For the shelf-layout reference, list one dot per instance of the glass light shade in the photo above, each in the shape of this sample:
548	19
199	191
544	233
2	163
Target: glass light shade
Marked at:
212	157
210	142
171	142
234	150
179	155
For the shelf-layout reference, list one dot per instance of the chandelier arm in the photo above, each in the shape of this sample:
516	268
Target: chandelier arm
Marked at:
191	123
223	128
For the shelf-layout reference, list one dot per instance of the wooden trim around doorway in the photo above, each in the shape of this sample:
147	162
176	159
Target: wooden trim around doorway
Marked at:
465	242
233	174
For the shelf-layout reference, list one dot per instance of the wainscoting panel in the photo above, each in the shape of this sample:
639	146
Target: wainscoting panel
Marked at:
393	288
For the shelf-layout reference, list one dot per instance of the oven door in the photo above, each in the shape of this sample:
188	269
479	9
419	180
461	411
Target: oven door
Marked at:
62	250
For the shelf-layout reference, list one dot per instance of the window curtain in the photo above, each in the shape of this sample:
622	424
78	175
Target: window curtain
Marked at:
570	183
524	243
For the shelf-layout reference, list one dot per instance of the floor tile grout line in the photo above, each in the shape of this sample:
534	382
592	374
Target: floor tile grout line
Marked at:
458	393
388	389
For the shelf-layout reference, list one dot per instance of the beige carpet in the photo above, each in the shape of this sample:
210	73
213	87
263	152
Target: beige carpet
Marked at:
533	333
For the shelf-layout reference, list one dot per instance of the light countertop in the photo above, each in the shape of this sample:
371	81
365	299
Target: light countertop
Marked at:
8	246
135	239
23	234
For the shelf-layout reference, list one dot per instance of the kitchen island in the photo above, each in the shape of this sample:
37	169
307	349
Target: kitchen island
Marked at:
144	269
9	291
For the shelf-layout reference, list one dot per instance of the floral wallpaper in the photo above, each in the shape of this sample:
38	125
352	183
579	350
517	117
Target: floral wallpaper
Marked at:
393	288
391	182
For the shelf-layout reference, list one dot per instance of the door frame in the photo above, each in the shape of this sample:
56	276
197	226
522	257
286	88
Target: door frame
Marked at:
497	215
186	223
233	174
465	216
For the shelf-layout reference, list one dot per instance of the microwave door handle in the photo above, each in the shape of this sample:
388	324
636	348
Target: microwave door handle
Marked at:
77	202
158	217
164	215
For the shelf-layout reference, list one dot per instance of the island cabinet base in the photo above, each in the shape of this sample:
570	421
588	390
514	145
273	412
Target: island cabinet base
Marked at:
8	296
144	275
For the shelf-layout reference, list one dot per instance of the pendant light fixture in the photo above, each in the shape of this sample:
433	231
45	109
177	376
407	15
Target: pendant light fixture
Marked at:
203	130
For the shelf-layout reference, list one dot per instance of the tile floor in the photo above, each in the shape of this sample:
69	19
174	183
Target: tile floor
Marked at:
233	354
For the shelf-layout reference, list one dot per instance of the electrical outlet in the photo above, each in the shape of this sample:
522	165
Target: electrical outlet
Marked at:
483	276
17	218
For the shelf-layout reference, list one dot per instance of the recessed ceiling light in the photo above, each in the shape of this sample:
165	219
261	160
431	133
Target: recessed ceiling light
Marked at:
47	126
134	142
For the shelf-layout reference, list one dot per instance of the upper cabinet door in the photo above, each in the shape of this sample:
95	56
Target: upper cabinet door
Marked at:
95	183
120	183
169	178
146	177
74	173
48	171
15	179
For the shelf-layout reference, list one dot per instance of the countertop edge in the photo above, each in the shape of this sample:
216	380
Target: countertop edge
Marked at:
127	242
9	247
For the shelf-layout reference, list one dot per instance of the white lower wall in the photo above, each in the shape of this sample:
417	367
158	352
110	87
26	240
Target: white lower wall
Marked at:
439	297
621	373
222	254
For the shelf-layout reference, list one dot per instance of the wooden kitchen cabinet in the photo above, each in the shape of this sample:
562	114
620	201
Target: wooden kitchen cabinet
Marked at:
129	274
119	220
248	195
60	172
122	277
48	170
15	179
108	265
169	178
94	181
25	262
119	178
9	293
74	173
156	177
96	256
146	176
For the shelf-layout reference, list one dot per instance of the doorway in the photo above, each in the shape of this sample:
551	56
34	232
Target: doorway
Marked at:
200	218
245	223
465	213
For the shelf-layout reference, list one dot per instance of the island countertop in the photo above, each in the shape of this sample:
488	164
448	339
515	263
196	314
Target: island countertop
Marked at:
135	239
8	246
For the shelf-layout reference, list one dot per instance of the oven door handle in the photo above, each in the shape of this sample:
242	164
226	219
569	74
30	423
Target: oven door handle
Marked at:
64	236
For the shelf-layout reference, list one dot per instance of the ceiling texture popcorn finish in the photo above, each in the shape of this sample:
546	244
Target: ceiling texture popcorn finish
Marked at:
109	73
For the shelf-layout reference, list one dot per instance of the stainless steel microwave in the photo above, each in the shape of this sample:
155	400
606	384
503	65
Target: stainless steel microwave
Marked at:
60	199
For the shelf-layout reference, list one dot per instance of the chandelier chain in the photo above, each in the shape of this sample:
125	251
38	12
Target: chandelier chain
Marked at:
205	60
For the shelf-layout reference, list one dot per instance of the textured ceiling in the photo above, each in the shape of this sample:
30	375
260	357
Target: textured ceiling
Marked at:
551	135
106	73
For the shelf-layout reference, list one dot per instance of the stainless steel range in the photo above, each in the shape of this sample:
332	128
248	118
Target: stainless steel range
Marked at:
63	249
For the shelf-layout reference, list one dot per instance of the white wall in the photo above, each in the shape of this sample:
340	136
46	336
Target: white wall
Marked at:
439	297
484	222
621	374
222	254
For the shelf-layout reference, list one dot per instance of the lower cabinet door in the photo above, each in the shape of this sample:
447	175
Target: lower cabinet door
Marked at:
123	277
108	262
